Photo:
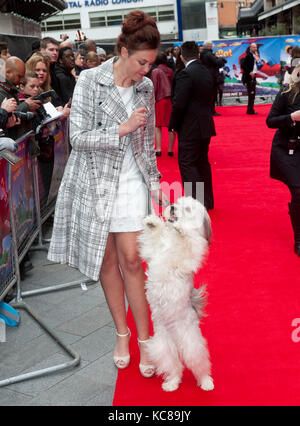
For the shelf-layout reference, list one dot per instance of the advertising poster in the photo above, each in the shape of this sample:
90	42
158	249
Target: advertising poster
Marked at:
5	231
273	57
22	193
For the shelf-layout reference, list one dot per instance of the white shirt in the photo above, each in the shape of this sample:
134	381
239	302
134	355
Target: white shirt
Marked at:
189	62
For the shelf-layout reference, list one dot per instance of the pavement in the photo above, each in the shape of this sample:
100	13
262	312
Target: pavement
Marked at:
80	317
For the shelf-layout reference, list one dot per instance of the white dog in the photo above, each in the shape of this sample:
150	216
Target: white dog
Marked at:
173	250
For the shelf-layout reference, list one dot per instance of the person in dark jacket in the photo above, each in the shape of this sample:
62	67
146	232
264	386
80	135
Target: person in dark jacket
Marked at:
213	63
6	107
15	71
285	153
63	70
192	119
249	67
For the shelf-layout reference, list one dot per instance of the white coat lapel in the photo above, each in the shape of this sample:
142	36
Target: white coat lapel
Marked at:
112	105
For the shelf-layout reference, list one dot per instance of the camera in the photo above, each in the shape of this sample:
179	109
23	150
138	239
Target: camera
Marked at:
43	96
24	116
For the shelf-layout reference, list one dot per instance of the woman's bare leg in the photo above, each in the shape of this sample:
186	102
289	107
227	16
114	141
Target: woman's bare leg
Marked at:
113	287
158	139
172	136
134	281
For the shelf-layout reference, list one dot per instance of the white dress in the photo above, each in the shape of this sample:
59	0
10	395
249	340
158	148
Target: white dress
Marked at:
130	206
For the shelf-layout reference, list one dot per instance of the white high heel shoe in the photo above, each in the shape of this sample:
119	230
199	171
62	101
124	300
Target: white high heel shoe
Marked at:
125	360
144	368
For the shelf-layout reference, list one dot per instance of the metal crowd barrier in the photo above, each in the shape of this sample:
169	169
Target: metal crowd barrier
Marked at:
24	207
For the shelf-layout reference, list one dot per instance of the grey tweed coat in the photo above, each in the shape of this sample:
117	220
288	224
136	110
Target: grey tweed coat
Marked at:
92	172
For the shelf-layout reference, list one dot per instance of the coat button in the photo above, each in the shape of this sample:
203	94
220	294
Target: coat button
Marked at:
99	123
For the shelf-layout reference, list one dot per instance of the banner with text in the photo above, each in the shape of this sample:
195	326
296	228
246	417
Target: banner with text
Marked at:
5	230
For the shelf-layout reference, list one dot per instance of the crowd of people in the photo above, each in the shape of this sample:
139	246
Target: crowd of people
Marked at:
116	118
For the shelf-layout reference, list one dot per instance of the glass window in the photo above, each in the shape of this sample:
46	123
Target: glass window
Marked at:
193	14
114	19
166	15
108	18
98	21
62	22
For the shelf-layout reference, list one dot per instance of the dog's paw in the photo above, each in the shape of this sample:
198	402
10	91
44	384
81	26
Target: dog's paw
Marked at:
152	221
207	383
170	385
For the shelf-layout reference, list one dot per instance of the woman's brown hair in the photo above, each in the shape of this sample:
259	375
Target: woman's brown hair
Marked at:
139	32
31	65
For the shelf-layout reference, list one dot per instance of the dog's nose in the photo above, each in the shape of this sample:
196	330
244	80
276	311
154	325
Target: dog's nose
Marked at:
172	209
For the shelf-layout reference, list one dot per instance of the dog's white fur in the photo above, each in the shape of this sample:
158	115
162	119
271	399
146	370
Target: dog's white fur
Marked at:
173	250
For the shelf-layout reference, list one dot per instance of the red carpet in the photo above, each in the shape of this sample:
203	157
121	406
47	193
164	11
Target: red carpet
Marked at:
252	277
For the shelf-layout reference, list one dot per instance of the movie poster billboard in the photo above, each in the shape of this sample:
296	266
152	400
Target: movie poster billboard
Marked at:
270	69
5	230
23	192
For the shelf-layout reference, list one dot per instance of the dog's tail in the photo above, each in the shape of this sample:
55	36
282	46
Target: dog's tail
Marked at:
199	300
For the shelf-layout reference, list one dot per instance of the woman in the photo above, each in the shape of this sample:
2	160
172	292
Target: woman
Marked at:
285	153
40	64
112	168
161	77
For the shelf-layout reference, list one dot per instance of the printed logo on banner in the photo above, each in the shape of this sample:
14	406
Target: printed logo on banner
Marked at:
22	192
2	331
5	231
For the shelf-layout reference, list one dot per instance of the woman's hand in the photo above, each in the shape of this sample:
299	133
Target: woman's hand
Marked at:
33	104
137	119
295	116
65	110
160	198
9	105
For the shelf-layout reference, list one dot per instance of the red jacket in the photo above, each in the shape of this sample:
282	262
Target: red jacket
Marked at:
162	82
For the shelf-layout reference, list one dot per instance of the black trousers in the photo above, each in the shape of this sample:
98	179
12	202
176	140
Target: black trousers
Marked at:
195	170
251	87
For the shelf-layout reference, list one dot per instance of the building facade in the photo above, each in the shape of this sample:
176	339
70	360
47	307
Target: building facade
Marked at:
101	20
280	17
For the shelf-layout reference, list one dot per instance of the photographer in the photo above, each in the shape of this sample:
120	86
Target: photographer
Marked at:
6	108
15	71
285	152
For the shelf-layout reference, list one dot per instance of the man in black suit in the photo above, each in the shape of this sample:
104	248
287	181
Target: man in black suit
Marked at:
192	119
249	68
213	63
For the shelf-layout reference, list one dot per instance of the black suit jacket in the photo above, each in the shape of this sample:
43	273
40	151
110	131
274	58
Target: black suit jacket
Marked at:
247	67
212	62
191	113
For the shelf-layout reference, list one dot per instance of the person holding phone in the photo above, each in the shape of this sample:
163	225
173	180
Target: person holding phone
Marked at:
109	178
